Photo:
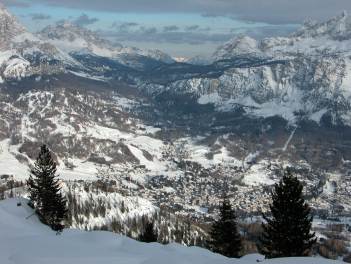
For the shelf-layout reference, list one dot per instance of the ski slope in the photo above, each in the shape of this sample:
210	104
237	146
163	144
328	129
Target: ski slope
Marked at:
25	240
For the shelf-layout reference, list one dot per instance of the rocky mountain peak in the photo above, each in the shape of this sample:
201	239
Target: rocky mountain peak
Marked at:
9	27
239	45
337	28
70	37
73	38
68	31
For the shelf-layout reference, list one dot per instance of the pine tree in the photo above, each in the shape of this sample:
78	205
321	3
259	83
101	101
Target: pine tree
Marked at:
287	233
33	191
224	236
149	234
45	191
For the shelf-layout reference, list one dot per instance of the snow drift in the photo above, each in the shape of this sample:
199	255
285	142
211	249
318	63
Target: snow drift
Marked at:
24	240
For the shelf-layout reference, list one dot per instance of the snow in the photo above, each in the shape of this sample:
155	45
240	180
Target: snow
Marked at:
25	36
9	165
317	116
134	207
71	38
198	154
88	76
289	140
239	45
257	176
14	67
212	98
25	241
329	188
84	170
283	90
151	165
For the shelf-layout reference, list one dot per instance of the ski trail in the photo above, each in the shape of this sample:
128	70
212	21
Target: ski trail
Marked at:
289	140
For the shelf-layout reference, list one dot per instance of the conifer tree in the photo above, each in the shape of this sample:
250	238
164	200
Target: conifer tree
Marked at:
287	233
224	236
45	191
149	234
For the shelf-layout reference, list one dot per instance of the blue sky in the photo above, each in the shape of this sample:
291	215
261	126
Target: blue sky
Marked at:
183	27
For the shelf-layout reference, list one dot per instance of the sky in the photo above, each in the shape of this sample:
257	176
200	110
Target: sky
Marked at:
182	28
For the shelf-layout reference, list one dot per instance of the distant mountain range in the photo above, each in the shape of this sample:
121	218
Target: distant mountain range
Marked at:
175	131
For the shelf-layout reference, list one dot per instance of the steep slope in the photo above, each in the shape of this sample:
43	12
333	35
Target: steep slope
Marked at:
21	235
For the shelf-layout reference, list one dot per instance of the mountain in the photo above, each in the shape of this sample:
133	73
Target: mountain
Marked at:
337	28
176	133
72	38
23	54
305	75
63	47
238	46
9	28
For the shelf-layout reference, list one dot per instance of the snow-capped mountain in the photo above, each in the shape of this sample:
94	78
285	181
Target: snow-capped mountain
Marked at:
72	38
10	28
305	75
178	129
337	28
23	54
313	38
238	46
60	48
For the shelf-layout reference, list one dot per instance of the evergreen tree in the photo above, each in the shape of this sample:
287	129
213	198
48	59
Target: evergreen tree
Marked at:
45	191
33	190
149	234
224	236
287	232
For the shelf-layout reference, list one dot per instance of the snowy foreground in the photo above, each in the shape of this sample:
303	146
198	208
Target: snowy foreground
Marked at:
25	240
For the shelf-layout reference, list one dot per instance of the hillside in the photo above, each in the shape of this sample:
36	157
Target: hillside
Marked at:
26	241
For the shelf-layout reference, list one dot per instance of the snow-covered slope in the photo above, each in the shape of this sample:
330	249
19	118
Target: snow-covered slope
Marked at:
25	240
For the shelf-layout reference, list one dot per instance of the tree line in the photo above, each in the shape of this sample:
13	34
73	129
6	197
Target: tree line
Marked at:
286	230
